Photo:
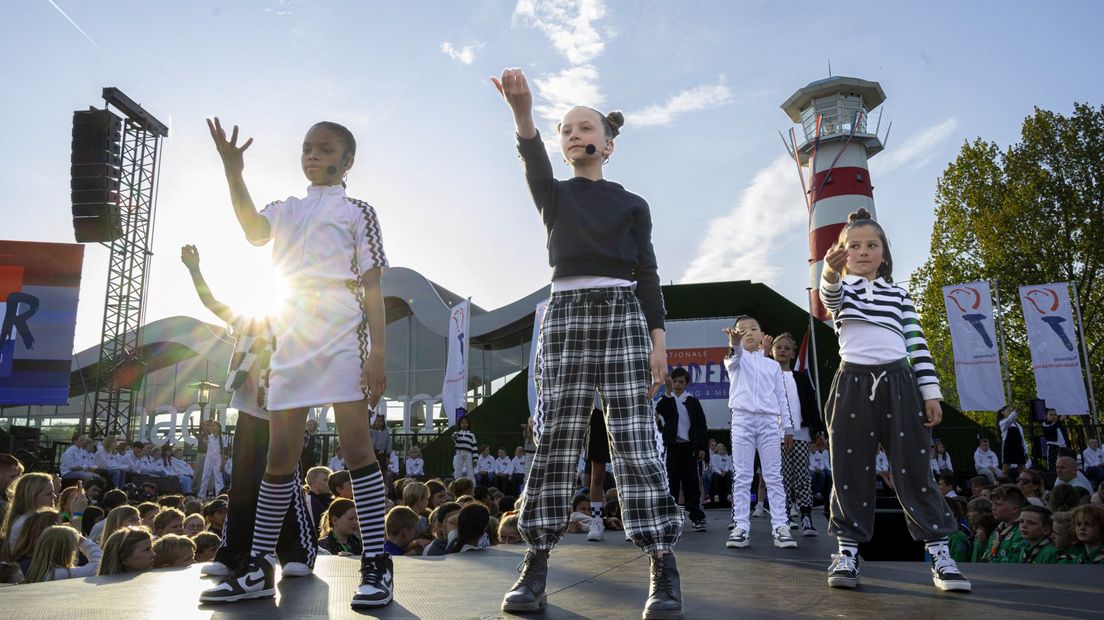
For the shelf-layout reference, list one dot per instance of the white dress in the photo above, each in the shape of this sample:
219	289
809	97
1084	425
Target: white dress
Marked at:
323	244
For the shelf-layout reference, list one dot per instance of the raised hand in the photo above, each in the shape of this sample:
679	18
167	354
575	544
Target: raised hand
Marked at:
80	499
514	88
228	149
835	260
734	335
768	342
189	255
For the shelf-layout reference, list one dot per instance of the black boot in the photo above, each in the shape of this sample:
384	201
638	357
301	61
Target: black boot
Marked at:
665	595
528	593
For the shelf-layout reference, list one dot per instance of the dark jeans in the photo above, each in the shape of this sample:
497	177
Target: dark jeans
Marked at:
682	472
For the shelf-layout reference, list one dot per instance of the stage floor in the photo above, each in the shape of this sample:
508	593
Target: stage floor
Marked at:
597	580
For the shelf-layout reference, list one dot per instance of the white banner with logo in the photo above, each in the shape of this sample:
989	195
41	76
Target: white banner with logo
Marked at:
455	389
1052	338
974	340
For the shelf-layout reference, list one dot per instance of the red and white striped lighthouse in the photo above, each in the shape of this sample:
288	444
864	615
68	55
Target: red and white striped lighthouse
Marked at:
837	144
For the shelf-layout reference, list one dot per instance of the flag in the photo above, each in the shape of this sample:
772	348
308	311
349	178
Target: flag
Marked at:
1053	343
974	342
454	392
801	362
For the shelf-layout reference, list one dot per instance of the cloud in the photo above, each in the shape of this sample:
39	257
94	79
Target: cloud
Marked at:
568	24
568	88
745	243
700	97
464	54
915	152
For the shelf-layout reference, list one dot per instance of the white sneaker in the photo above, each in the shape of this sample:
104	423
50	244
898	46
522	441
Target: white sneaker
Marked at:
738	539
782	538
759	511
296	569
597	529
844	571
215	569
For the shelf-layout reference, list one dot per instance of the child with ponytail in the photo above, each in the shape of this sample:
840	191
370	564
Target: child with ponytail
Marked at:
886	391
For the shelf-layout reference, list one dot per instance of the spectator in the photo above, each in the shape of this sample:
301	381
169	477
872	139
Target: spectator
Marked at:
416	497
579	520
1036	527
979	486
74	463
127	550
193	524
337	463
341	530
959	542
148	511
118	518
438	493
171	501
168	521
485	466
400	527
207	544
32	491
1006	543
110	461
34	525
10	471
1063	498
986	461
1054	437
491	533
940	460
312	449
193	506
215	513
822	478
180	469
1066	467
1013	442
318	494
517	470
471	527
393	466
55	555
442	521
461	487
508	533
173	551
415	464
502	470
1092	459
341	484
1088	527
1033	485
132	460
720	474
948	485
92	516
979	513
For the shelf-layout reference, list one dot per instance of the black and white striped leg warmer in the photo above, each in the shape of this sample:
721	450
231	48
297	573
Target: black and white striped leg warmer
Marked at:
368	493
272	504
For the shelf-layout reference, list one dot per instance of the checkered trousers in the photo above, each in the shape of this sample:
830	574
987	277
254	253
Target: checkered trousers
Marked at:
596	339
795	475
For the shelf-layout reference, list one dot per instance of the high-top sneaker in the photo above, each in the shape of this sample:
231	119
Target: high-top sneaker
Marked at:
807	528
255	578
665	592
844	571
597	529
528	592
377	581
945	573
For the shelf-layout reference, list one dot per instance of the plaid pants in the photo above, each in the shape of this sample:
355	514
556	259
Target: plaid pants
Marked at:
795	476
596	339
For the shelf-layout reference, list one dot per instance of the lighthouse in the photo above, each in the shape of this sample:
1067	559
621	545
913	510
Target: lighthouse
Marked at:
836	143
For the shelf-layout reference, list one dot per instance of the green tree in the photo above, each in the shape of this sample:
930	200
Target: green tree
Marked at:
1031	214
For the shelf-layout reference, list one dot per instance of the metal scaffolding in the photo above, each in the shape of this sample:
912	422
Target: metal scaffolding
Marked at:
121	369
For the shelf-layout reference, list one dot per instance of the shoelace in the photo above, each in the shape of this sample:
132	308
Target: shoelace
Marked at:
526	578
370	572
245	565
660	579
944	563
843	562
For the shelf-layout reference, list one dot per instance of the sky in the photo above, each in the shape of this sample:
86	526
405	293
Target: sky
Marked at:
700	83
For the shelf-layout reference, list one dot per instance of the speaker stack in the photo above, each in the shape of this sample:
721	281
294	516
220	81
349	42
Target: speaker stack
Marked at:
95	173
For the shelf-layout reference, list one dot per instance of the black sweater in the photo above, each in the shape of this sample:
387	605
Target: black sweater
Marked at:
595	228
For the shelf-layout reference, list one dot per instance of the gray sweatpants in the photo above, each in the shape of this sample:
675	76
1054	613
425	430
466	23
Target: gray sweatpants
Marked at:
868	405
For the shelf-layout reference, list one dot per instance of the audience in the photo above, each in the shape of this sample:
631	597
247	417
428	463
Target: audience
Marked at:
127	550
442	522
1006	543
400	529
207	544
1088	528
1066	467
173	551
1036	527
471	529
986	461
340	529
55	555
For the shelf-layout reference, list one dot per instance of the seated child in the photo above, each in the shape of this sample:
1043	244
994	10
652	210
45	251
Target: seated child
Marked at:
55	555
1036	528
1005	543
127	550
400	528
173	550
168	521
471	529
442	522
579	521
340	529
1088	527
341	484
959	542
207	544
508	531
979	513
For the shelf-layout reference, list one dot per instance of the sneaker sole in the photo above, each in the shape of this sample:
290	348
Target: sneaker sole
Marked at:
594	538
953	586
371	603
239	597
735	544
534	606
663	615
843	582
810	533
785	545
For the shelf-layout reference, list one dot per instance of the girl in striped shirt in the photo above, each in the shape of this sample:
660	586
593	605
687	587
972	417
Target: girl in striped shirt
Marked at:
885	391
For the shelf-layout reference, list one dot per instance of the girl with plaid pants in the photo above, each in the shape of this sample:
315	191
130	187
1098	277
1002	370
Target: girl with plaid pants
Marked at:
603	329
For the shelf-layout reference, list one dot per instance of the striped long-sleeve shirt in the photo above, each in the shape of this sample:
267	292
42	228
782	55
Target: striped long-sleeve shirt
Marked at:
886	305
464	441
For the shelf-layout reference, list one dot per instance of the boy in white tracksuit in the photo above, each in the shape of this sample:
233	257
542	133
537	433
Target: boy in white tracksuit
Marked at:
757	400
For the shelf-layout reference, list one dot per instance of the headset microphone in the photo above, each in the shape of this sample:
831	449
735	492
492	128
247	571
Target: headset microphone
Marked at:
331	170
591	149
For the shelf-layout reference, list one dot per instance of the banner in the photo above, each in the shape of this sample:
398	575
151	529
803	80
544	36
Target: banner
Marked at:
538	316
974	340
455	389
700	348
1053	342
39	289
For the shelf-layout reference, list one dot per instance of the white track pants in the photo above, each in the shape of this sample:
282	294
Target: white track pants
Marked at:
751	433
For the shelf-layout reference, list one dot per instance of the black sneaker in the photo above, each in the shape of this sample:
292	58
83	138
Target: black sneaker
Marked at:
807	528
699	525
253	579
945	573
844	571
377	581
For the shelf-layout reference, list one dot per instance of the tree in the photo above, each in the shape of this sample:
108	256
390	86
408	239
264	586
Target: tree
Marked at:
1028	215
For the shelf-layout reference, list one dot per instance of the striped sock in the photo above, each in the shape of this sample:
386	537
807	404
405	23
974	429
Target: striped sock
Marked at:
369	497
933	547
272	504
848	547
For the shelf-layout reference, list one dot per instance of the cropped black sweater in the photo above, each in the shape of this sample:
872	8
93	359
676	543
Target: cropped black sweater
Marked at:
595	228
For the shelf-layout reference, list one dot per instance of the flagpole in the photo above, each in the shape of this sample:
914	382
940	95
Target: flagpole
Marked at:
1006	373
1085	353
812	345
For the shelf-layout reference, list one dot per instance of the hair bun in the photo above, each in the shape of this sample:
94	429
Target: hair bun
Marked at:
616	120
861	214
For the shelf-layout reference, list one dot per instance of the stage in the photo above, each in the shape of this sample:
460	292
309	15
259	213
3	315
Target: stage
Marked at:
597	580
